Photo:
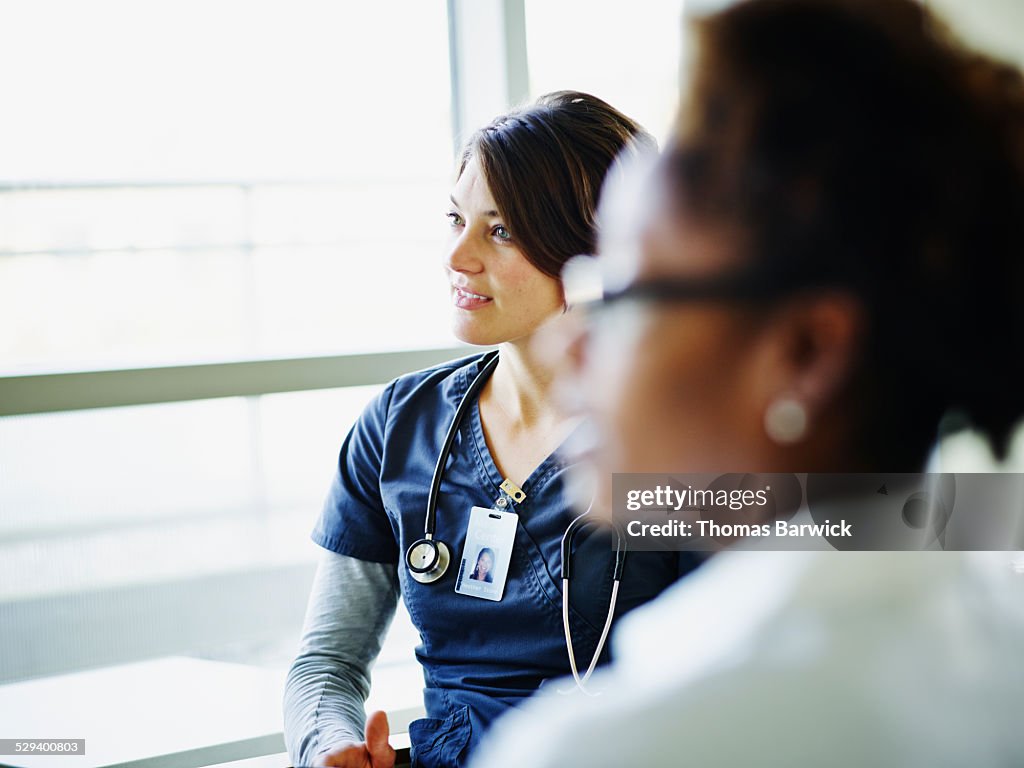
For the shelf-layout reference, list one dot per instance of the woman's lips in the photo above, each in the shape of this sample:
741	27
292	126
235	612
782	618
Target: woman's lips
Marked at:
465	299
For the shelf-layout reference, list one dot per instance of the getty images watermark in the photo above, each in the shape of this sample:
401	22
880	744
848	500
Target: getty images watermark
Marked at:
901	511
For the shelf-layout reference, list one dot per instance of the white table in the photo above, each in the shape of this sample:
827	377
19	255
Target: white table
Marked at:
174	712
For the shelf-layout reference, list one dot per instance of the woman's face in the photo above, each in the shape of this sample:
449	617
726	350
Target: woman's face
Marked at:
672	386
483	564
496	293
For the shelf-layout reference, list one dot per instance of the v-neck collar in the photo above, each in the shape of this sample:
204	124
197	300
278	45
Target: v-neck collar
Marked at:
540	475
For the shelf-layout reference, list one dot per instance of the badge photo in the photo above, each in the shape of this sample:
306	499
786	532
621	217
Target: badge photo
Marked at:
483	569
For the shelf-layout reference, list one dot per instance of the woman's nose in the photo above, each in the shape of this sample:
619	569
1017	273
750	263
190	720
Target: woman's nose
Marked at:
463	256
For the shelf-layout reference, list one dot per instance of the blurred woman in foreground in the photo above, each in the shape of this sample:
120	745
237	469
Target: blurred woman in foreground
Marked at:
829	258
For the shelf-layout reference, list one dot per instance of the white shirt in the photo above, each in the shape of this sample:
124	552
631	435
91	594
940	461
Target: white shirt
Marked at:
800	658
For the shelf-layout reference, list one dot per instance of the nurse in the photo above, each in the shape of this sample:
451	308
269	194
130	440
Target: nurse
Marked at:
524	203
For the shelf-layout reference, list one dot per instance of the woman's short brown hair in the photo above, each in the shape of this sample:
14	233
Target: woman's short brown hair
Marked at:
545	164
858	141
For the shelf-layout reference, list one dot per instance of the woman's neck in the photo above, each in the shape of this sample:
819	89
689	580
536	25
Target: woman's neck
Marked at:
521	385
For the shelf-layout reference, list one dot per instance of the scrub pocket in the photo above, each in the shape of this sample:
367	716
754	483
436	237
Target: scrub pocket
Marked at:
440	743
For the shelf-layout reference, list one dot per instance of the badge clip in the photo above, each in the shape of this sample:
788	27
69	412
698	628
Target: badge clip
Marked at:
516	493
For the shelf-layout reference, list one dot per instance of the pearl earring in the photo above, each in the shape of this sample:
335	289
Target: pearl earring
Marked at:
785	421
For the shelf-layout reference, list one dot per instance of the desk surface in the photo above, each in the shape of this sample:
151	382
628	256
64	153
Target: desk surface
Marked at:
277	760
173	712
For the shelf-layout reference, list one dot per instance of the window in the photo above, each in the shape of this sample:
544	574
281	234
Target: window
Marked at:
629	57
198	182
220	180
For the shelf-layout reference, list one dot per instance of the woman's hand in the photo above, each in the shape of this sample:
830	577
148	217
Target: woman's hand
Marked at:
375	752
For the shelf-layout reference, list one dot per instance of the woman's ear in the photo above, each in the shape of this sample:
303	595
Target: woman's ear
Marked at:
809	352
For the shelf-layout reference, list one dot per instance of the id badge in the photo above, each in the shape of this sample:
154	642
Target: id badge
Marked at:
486	555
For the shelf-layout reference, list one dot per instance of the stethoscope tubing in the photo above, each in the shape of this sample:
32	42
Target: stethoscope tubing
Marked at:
433	571
430	522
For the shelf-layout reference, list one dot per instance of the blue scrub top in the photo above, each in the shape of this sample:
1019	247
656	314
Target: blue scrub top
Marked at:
479	657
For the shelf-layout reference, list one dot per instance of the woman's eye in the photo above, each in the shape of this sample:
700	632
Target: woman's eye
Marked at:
454	219
501	233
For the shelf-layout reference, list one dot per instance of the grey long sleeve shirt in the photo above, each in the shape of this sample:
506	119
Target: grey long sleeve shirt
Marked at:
350	609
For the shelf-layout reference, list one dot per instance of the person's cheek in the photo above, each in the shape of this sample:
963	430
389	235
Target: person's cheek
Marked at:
638	422
608	390
615	377
625	421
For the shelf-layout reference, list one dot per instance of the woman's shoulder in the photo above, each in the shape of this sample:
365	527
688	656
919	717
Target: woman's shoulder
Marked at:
439	383
409	396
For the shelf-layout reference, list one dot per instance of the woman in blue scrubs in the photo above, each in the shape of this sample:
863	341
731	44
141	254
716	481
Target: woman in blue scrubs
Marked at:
523	204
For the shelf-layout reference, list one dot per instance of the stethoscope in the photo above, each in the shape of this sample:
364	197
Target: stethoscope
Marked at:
428	559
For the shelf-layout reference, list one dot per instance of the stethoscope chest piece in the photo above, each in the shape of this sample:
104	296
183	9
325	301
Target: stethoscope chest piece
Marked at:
427	560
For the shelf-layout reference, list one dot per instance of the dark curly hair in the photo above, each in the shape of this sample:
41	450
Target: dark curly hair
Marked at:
857	143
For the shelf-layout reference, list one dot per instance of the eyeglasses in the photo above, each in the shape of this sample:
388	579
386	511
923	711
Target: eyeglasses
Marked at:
582	284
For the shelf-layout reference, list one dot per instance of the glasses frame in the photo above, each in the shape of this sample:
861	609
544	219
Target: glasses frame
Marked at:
757	286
